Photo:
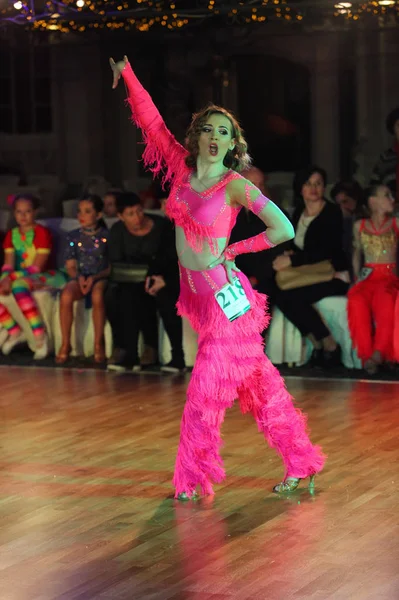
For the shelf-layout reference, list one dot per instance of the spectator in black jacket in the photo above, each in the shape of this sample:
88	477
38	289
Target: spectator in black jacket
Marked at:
319	231
132	243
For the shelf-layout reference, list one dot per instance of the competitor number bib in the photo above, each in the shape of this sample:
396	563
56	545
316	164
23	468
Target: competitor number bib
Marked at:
232	300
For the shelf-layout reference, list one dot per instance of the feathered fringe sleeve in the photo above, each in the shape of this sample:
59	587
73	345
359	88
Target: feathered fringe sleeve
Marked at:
163	154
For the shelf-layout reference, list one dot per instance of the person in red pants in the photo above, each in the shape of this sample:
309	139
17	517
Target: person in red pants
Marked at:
371	301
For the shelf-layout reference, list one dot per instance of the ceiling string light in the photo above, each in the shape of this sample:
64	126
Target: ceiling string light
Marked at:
84	15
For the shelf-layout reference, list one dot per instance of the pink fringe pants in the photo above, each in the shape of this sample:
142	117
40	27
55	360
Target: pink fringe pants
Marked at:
231	363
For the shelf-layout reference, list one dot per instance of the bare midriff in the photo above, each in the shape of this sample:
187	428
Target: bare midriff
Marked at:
197	261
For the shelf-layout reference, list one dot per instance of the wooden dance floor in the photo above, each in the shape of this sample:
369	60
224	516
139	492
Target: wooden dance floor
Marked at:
86	508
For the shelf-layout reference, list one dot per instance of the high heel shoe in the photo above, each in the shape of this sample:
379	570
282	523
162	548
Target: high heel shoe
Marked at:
184	497
62	356
290	484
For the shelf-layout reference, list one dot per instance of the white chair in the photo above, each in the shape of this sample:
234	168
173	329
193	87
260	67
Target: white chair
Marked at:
285	344
70	208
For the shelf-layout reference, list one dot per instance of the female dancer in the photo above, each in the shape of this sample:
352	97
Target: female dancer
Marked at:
206	196
371	302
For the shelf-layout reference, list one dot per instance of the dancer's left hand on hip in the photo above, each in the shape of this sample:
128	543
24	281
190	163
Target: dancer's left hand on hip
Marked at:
229	265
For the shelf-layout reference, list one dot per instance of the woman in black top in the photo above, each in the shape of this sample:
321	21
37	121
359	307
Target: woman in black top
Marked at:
318	236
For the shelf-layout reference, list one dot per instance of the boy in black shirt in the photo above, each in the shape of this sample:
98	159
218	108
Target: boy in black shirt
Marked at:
134	243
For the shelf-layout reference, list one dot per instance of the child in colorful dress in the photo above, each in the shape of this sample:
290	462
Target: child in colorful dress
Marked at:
27	250
371	301
206	196
87	265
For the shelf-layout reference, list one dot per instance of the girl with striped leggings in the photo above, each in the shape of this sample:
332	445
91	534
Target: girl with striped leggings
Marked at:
27	250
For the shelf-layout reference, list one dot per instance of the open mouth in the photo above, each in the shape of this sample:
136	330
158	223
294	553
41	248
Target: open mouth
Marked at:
213	149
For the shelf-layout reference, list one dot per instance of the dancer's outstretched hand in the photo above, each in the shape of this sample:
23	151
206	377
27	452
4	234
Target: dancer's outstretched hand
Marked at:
229	265
117	68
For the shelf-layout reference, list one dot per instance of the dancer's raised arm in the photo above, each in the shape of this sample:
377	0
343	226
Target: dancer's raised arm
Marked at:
162	152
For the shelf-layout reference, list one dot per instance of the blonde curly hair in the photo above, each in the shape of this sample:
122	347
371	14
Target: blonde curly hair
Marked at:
237	159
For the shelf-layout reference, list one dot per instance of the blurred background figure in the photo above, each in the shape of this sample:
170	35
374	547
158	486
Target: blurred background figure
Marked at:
258	266
110	207
386	171
349	197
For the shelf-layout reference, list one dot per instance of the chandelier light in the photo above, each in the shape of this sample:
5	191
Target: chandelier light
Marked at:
143	15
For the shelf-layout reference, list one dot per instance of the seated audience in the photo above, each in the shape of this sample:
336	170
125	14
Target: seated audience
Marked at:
318	245
386	171
349	197
110	209
87	265
133	242
27	259
371	301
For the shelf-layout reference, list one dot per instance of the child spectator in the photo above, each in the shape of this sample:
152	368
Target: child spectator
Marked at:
87	265
27	250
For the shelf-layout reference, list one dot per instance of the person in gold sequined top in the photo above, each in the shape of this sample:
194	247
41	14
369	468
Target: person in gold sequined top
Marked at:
371	301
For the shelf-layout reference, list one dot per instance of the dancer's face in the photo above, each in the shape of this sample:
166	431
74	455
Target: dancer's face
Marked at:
396	130
313	188
24	213
382	201
215	139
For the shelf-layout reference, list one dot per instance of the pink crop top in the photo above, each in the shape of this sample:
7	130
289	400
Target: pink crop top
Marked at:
203	216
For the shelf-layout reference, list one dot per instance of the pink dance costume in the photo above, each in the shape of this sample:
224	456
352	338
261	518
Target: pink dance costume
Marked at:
230	362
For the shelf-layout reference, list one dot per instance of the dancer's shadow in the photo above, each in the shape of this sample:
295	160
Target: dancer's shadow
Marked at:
193	545
184	549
